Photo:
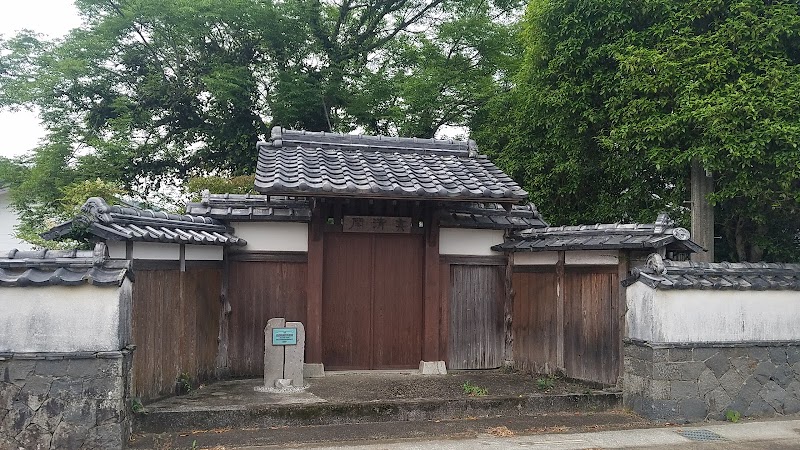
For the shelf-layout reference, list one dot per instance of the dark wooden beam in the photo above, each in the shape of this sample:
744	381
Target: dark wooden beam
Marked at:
296	257
431	290
444	311
314	286
508	311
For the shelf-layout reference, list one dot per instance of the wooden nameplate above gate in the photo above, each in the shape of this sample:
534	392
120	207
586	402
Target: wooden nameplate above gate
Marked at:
376	224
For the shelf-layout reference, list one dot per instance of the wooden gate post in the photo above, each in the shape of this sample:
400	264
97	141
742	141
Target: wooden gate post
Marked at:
431	291
314	287
560	298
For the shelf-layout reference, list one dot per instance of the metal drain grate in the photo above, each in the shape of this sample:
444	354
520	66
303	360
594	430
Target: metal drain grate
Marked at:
701	435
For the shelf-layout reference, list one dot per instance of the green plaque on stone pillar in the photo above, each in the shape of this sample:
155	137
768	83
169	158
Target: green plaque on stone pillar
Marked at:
284	336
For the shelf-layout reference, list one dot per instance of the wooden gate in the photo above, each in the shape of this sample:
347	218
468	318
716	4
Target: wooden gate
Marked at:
372	292
535	320
259	291
569	321
591	324
477	329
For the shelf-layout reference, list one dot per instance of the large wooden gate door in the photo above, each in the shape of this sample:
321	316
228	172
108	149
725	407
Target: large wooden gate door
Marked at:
372	292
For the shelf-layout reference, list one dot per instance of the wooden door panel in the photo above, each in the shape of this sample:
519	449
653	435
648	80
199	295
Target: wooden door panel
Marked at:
535	322
477	329
397	301
590	327
346	301
259	291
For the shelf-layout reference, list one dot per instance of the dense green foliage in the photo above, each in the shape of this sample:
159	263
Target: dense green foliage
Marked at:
598	110
149	92
615	98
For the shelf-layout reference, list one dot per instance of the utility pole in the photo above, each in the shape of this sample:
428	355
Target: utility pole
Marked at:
702	184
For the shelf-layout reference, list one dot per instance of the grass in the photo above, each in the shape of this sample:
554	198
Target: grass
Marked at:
473	390
732	415
545	383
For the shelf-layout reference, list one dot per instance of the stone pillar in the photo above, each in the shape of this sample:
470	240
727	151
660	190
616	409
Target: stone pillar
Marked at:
702	184
283	364
294	356
273	354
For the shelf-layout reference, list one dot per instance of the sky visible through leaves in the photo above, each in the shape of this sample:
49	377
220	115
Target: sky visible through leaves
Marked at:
20	131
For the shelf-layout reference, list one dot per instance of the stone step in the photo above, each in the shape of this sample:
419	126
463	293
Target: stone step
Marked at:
365	433
164	420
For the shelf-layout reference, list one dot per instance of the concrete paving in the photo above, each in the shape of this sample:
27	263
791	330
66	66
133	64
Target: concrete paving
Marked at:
369	397
406	411
606	430
467	428
778	434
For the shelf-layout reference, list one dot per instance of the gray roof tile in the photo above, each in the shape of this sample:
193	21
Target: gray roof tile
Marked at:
252	207
118	223
665	274
490	216
329	164
62	267
660	234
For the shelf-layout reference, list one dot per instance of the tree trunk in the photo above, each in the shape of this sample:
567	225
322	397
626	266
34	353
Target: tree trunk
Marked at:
702	185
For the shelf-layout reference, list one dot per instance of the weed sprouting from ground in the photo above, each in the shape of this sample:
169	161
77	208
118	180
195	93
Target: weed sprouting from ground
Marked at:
545	383
473	390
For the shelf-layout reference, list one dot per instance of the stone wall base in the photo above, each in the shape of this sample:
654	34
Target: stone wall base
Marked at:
680	383
60	400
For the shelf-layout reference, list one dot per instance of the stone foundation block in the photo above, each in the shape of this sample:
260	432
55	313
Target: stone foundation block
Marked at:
313	370
694	383
432	368
63	402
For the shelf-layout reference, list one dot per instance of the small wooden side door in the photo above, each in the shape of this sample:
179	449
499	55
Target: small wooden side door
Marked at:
477	329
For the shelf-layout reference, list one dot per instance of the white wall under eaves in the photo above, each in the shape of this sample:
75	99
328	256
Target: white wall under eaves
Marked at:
697	316
83	318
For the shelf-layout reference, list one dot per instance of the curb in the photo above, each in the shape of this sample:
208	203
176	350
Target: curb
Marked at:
164	421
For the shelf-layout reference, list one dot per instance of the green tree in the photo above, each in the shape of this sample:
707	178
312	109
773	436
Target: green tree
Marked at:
615	98
148	93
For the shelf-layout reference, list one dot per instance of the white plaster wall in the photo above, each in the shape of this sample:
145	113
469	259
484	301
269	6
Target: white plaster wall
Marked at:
116	249
273	236
467	242
63	318
8	219
203	253
639	315
672	316
156	250
535	258
591	257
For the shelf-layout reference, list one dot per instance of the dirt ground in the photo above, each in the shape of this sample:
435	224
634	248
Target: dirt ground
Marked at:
337	387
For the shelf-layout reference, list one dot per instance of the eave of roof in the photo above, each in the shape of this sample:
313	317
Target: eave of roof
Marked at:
256	207
134	224
490	216
299	163
665	274
62	267
620	236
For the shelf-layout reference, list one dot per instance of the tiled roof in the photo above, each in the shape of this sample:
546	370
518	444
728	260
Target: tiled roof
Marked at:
251	207
62	267
328	164
491	216
664	274
663	233
118	223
